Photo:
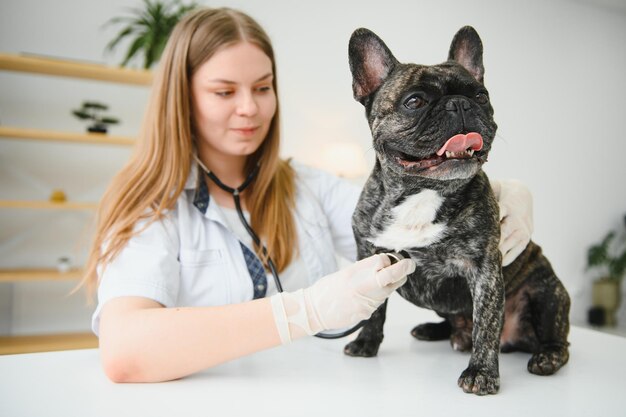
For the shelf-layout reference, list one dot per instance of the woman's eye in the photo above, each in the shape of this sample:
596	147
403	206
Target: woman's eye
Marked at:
414	102
482	98
224	93
264	89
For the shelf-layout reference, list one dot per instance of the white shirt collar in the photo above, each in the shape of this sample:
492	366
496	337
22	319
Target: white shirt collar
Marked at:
192	178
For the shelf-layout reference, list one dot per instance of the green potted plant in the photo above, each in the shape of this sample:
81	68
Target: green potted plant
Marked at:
149	28
609	257
91	110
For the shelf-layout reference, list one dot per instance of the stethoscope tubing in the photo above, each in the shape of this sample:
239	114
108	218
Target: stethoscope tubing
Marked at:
235	193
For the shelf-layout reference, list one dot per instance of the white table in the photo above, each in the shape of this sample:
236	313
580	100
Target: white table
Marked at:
314	378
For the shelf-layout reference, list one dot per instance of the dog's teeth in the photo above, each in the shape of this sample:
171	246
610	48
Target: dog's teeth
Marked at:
461	154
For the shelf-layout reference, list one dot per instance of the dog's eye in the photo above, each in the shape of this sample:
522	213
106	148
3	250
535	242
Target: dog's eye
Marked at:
482	98
414	102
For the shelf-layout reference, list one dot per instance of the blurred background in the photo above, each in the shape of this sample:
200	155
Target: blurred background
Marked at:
554	69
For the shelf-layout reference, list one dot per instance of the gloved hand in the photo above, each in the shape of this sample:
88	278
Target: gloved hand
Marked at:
516	217
341	299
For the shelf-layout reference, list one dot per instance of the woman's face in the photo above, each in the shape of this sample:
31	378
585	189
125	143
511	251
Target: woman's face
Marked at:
233	100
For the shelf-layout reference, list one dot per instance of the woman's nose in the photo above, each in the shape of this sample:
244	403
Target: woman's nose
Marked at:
247	105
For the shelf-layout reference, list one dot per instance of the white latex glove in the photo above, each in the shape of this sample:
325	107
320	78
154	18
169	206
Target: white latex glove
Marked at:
516	217
341	299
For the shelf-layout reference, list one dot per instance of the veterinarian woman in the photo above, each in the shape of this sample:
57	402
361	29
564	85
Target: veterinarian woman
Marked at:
181	283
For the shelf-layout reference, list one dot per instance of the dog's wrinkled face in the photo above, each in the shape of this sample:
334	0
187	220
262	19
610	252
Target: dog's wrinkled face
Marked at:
428	121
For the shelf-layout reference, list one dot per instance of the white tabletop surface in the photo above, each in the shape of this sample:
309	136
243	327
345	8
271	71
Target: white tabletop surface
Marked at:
314	378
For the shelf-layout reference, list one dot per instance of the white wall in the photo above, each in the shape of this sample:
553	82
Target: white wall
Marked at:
554	70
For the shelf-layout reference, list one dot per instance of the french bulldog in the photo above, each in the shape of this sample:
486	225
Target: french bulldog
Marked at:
428	197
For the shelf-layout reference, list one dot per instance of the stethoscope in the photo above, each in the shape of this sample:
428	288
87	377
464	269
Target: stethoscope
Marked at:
394	257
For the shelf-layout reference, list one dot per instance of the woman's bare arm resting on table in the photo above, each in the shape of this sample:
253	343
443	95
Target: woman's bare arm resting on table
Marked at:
141	341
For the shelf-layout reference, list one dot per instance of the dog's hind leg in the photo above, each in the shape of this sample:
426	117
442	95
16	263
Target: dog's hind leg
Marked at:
550	316
432	331
461	337
457	328
371	336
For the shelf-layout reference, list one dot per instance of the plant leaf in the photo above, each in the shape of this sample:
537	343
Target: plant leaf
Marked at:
596	256
95	105
149	28
618	266
134	49
81	114
111	45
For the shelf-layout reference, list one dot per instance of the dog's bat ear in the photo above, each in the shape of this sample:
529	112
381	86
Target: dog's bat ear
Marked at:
467	50
371	62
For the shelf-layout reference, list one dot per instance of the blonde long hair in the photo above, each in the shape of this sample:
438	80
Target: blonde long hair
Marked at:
156	174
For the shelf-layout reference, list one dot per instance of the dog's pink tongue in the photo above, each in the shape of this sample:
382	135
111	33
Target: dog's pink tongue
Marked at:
461	142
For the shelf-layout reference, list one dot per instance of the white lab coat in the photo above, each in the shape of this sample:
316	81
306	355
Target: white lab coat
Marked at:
192	259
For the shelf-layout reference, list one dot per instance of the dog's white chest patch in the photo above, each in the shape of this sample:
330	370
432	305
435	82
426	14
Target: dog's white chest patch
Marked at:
412	223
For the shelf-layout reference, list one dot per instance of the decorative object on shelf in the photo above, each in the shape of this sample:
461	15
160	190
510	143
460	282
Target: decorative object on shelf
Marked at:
151	27
64	265
609	256
58	196
55	339
91	110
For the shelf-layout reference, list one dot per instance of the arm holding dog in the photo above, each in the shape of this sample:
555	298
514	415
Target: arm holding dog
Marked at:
516	217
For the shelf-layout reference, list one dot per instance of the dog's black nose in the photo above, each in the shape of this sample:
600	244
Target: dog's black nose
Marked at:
458	106
457	103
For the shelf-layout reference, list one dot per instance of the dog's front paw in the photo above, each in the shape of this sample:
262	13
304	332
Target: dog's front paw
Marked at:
362	347
479	381
548	362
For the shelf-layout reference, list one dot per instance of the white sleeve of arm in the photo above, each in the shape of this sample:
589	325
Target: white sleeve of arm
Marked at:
338	198
147	267
339	203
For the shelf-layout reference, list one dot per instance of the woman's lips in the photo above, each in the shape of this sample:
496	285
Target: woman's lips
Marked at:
246	131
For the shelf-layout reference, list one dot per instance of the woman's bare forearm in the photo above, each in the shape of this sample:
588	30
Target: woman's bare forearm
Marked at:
140	341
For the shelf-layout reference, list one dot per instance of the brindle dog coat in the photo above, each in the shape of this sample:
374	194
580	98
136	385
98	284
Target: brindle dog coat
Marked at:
432	129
